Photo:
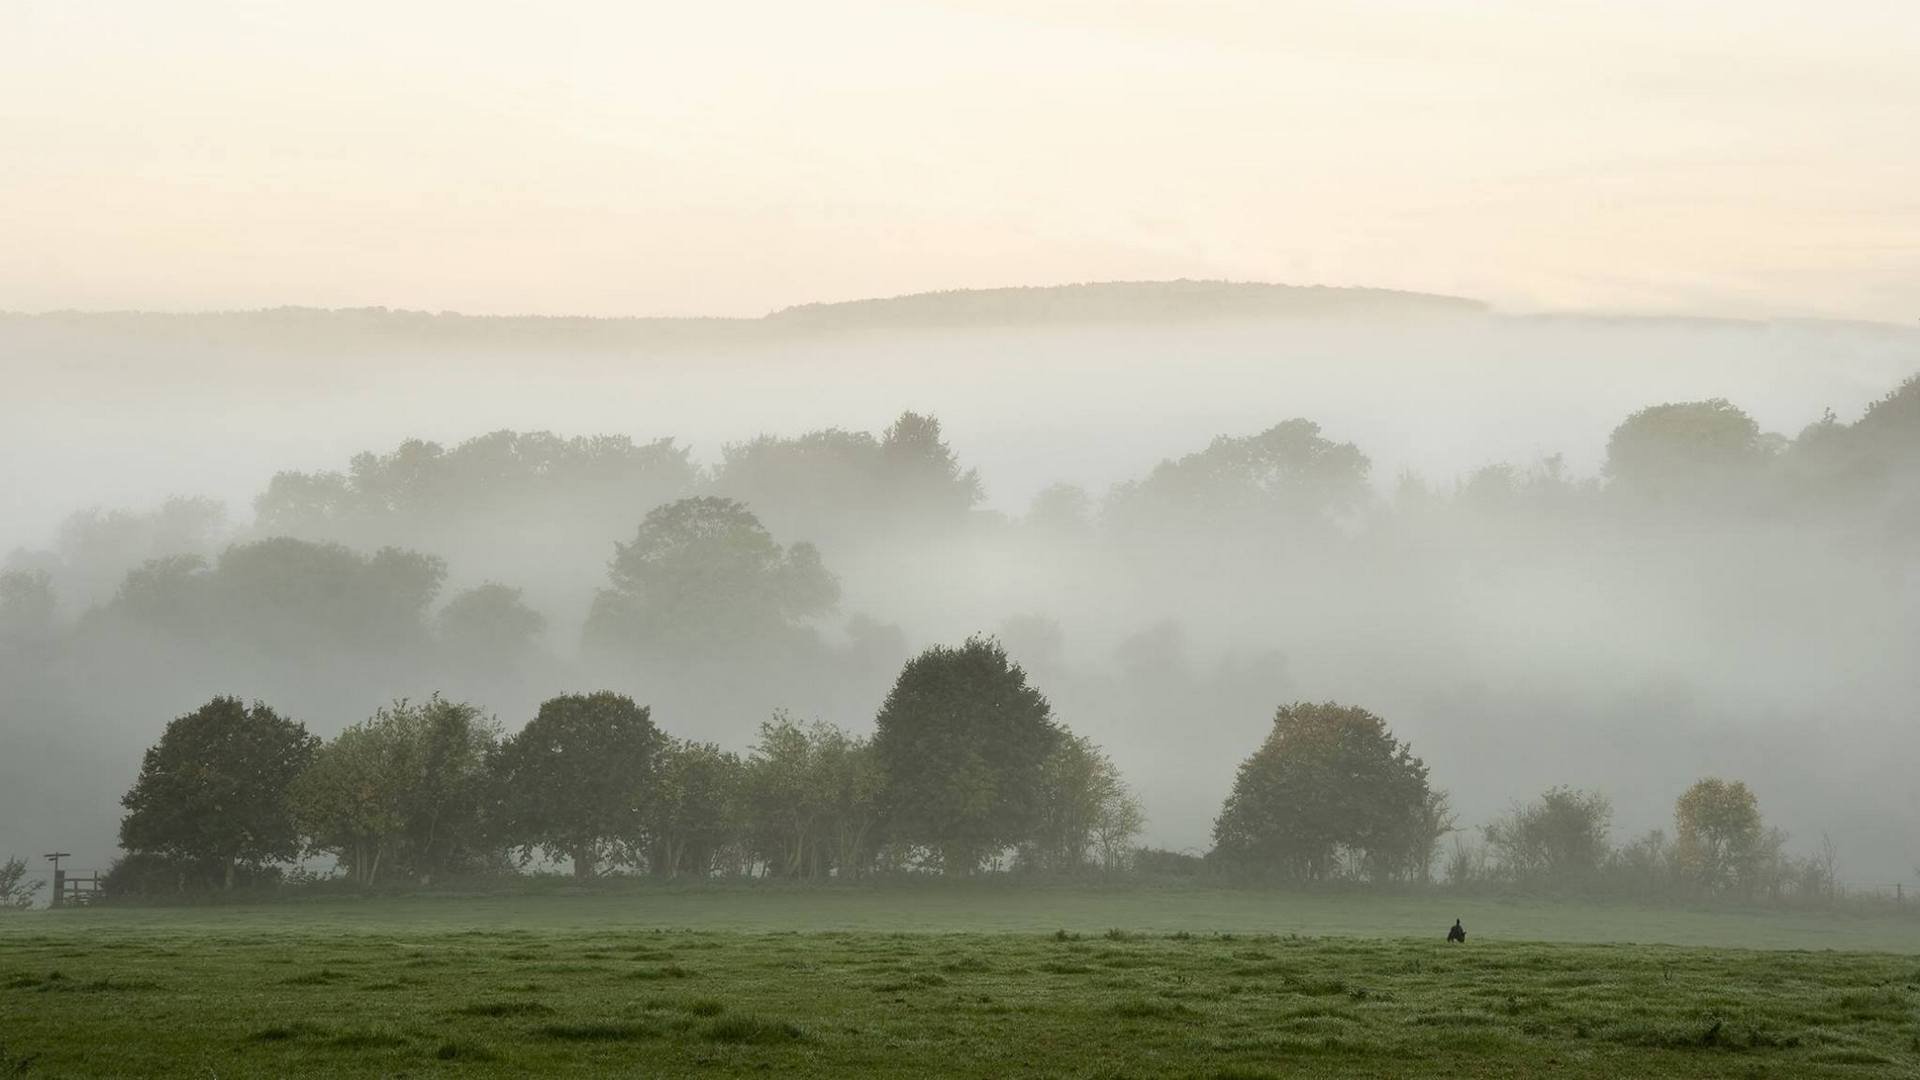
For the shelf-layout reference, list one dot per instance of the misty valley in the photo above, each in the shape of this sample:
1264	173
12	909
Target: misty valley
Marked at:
1204	540
1156	713
1714	601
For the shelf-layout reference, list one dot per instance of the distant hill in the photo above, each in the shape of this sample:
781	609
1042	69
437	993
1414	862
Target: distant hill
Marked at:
1118	303
1122	301
1110	302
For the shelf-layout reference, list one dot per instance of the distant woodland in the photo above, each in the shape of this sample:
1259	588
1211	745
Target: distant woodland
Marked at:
598	651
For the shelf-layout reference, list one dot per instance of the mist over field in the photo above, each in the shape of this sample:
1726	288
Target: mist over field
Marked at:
1454	546
1187	538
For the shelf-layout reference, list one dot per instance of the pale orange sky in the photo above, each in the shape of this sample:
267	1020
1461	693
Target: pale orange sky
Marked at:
1760	158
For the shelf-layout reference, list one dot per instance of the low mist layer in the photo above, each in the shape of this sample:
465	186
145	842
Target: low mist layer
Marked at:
1472	525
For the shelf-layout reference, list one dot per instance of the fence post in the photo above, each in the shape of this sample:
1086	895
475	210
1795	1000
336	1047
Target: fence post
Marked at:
59	877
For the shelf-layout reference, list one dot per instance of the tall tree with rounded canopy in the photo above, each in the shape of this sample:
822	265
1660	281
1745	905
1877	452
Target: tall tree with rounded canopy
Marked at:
1720	837
213	790
1330	783
702	574
1693	449
922	472
578	777
963	742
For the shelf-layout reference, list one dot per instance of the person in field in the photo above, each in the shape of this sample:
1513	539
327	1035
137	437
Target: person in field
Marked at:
1458	933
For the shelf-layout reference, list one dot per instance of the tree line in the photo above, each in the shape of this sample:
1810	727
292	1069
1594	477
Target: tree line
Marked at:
728	576
1332	795
967	767
967	770
501	504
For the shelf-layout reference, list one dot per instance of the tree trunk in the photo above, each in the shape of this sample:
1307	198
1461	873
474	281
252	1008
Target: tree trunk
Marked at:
229	883
583	861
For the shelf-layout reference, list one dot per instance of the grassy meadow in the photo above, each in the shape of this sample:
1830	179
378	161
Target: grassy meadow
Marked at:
957	981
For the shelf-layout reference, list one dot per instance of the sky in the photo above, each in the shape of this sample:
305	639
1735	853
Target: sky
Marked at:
1754	159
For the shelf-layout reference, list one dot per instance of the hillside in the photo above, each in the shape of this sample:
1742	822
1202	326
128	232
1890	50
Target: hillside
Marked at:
1123	301
1114	302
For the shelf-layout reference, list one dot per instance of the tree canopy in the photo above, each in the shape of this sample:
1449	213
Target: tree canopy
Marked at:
212	793
964	741
579	777
702	575
421	487
844	487
1694	449
404	791
1329	791
1287	475
1088	815
1560	837
488	626
1719	836
286	596
696	808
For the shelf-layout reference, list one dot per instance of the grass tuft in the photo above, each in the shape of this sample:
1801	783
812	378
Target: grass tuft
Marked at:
753	1030
11	1065
298	1029
368	1039
669	971
506	1008
1152	1009
598	1031
461	1050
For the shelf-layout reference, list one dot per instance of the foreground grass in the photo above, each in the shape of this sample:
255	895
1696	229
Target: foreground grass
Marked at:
406	988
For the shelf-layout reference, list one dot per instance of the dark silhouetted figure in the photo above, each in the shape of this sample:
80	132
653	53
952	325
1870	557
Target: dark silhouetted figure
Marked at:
1457	933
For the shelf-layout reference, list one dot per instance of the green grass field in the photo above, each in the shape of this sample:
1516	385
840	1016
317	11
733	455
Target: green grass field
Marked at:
955	981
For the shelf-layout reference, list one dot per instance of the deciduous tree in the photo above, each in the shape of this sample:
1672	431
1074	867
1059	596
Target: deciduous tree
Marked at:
213	790
963	741
1720	839
403	790
697	810
1559	837
702	575
1329	790
579	777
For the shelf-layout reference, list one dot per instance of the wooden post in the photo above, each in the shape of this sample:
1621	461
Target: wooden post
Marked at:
59	877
